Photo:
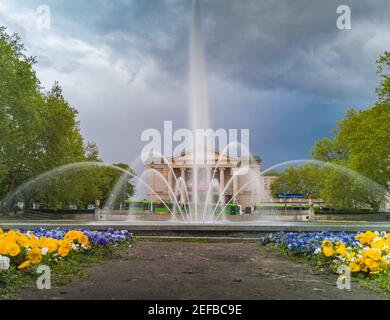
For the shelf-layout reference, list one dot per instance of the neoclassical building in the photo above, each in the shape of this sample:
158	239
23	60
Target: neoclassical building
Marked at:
233	175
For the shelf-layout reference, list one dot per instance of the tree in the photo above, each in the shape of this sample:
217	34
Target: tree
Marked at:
383	69
114	181
304	179
40	132
20	100
360	142
363	137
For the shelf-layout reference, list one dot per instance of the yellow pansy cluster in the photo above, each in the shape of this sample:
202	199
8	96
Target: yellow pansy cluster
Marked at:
371	255
24	250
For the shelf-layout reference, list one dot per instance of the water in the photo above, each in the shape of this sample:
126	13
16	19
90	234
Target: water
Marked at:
176	213
199	111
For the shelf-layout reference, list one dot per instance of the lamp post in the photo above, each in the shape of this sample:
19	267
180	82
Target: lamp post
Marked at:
97	210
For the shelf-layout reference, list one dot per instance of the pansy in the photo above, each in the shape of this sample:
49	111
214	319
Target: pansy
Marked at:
367	252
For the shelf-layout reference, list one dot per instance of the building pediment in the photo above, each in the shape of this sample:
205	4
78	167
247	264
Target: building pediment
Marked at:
210	157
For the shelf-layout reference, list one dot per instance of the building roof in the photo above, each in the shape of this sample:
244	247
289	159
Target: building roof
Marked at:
209	157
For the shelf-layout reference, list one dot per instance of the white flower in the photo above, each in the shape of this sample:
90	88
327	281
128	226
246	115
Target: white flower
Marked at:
74	247
84	246
44	251
316	251
4	263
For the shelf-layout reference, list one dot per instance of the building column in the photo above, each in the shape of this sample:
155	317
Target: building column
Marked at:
182	191
170	184
151	175
222	184
183	173
209	174
235	187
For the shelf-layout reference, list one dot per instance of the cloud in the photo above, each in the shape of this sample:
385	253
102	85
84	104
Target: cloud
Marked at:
279	68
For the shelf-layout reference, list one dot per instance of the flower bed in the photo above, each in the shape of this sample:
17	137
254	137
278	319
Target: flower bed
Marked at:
25	249
367	253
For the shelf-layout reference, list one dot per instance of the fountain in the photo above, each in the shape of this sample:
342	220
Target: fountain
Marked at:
199	199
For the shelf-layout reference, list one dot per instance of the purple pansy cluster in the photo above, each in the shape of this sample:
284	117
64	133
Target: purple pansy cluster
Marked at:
306	242
97	238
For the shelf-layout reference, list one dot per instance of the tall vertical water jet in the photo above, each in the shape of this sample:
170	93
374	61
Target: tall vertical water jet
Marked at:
198	80
198	104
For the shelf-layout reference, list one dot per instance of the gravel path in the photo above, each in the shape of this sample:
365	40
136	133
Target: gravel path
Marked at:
184	270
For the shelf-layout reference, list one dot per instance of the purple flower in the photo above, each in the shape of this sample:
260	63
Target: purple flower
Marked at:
97	238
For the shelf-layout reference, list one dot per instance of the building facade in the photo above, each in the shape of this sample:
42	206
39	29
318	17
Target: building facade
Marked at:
234	180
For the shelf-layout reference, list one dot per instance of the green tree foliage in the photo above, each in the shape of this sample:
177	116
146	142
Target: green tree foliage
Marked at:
304	179
383	68
116	181
39	132
20	101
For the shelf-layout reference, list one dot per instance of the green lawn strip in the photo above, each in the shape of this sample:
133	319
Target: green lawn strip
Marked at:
320	265
194	239
62	273
167	239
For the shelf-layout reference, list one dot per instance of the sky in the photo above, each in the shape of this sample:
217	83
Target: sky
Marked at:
280	68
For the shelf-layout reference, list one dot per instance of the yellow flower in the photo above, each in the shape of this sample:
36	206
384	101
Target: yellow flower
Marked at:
12	248
374	273
51	244
327	243
2	247
23	241
367	237
378	244
35	255
11	235
341	249
24	266
350	255
328	251
84	240
63	252
73	235
374	266
63	249
354	267
1	231
360	262
374	254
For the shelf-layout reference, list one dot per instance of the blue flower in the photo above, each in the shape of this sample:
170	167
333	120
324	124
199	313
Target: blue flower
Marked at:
97	238
306	242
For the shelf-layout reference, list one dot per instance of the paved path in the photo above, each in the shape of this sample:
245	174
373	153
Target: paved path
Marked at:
182	270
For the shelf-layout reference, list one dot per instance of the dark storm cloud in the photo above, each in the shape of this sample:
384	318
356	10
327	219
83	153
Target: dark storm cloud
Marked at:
280	67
